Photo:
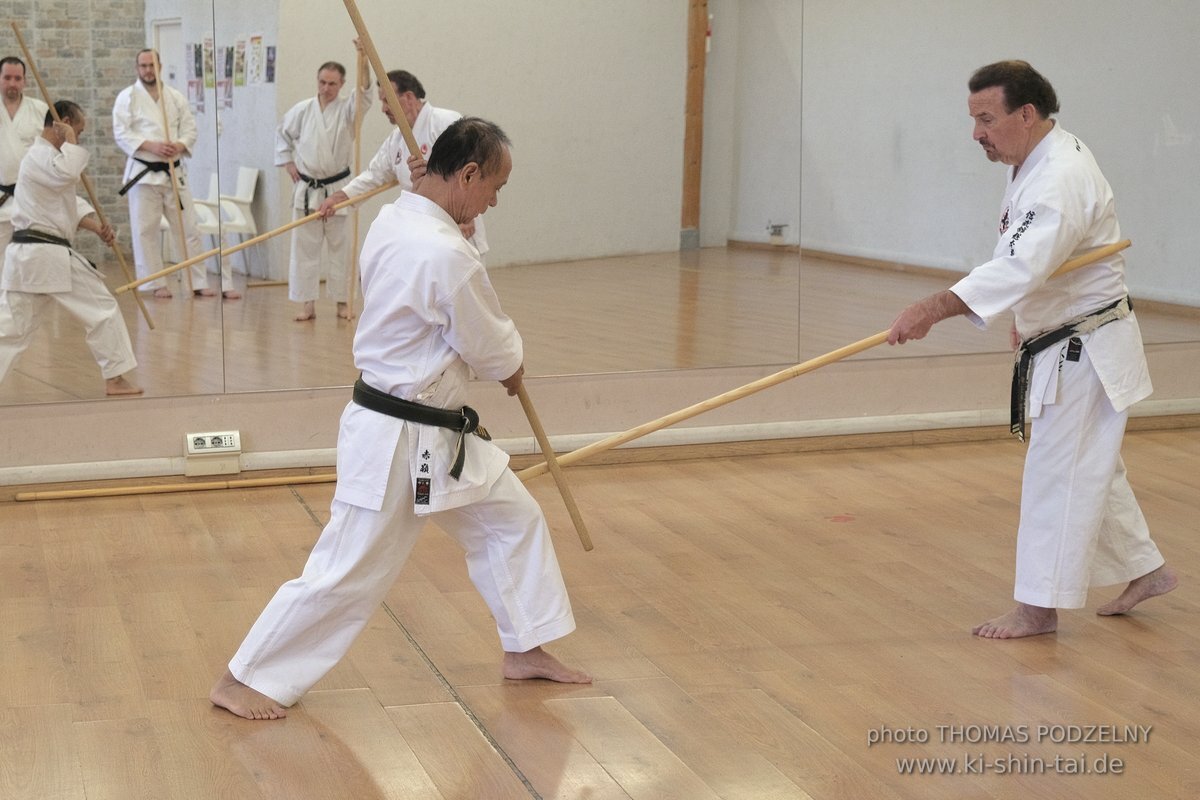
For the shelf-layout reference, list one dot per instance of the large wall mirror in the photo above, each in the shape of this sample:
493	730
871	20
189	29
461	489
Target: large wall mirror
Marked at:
843	128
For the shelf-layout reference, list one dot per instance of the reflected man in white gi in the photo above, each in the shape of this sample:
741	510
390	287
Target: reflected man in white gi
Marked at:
40	267
137	120
315	144
429	316
1080	523
20	123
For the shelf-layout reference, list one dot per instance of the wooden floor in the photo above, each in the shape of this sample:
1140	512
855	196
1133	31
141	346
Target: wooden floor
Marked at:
751	623
704	308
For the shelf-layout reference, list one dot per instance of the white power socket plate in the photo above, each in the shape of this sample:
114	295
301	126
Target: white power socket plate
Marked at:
202	444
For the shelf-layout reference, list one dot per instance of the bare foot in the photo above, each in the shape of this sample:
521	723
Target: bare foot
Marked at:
231	294
309	312
205	292
1152	584
120	386
343	311
163	293
238	698
537	663
1024	620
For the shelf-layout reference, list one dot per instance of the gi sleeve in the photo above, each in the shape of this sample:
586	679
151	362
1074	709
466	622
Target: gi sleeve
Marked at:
185	123
122	122
378	172
479	331
286	136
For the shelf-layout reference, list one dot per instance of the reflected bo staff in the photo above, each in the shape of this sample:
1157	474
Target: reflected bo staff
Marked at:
87	184
262	237
616	439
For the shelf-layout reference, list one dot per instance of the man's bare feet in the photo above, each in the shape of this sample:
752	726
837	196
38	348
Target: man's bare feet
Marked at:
204	292
163	293
236	697
308	312
1024	620
119	386
231	294
1152	584
343	311
537	663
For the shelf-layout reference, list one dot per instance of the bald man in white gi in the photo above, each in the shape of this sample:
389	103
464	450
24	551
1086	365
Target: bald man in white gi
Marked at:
315	144
138	129
405	453
391	161
1080	523
40	267
20	123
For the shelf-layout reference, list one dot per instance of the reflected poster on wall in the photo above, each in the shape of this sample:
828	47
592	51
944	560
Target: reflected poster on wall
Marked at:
192	59
209	68
255	61
239	63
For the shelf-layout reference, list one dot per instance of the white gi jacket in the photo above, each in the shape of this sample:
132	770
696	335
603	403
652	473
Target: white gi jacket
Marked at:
16	134
429	315
46	201
1059	206
137	118
320	142
391	160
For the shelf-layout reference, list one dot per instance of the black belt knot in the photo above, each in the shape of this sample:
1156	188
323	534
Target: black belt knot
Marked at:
150	166
1031	347
7	191
321	183
465	420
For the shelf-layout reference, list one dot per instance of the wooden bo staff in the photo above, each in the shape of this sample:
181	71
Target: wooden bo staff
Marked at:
543	442
262	237
87	184
617	439
361	73
162	106
389	91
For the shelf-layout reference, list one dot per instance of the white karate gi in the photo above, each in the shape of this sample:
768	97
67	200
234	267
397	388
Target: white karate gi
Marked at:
16	135
137	118
391	161
38	275
429	312
1080	524
321	144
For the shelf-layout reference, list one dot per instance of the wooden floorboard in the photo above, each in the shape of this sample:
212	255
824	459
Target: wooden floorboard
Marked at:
751	621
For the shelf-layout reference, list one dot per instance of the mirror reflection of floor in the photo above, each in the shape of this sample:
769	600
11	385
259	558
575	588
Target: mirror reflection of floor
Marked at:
714	307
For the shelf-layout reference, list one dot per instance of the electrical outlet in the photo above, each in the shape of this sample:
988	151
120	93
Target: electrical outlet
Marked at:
203	444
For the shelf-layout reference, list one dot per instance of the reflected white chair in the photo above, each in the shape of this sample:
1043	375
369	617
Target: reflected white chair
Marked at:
208	212
236	214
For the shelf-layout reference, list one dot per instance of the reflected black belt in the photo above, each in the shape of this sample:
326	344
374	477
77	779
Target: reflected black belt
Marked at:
7	190
321	183
464	420
1028	349
34	236
150	166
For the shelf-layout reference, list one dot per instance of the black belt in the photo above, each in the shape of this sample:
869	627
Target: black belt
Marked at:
34	236
321	183
7	191
151	166
464	420
1030	348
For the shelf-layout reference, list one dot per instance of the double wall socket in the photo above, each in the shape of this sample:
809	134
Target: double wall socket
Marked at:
217	453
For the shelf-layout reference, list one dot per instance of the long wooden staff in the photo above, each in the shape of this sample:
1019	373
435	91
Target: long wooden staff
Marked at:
363	83
563	489
262	237
617	439
166	121
389	91
87	184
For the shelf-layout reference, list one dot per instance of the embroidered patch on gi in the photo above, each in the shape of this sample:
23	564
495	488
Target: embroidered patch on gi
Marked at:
422	492
1074	348
1025	223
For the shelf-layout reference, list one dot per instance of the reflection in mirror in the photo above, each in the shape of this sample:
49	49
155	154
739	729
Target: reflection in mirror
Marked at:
898	193
90	59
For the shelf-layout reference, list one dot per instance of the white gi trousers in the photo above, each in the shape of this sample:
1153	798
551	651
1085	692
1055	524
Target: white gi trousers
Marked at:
148	204
89	301
1080	523
310	623
318	247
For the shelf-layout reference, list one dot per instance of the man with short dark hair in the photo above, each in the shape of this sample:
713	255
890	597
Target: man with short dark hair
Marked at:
41	267
1081	363
315	144
391	161
20	123
153	150
406	453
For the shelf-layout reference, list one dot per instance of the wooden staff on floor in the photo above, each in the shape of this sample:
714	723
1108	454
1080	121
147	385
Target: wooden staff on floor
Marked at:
87	184
617	439
166	121
262	237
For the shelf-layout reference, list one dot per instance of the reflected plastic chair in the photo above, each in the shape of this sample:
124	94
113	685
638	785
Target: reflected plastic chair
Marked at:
208	211
236	214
